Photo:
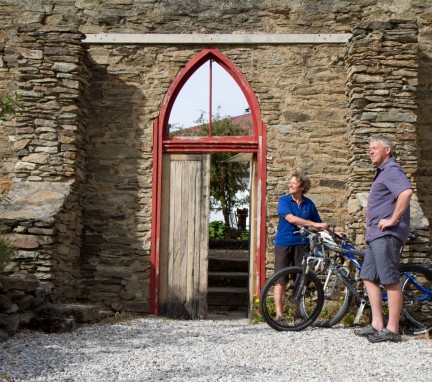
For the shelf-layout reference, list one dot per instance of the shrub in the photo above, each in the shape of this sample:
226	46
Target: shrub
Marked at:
218	230
7	250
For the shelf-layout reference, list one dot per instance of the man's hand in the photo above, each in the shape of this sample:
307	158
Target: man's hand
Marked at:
385	223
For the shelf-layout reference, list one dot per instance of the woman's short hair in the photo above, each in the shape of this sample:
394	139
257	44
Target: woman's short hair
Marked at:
384	140
303	180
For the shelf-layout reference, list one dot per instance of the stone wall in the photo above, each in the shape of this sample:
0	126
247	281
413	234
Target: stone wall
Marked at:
382	65
89	110
44	216
20	298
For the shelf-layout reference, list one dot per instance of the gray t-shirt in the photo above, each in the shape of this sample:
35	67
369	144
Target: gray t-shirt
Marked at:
389	182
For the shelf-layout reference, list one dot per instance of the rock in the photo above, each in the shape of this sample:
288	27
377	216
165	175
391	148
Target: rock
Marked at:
9	323
53	324
20	281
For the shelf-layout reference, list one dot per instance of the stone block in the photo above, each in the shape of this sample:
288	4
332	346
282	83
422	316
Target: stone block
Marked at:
5	302
21	282
9	323
80	312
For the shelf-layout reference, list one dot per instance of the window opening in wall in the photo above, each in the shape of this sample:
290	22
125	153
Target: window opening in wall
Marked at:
210	104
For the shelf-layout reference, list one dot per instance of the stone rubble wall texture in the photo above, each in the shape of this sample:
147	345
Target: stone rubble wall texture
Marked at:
20	298
99	103
382	80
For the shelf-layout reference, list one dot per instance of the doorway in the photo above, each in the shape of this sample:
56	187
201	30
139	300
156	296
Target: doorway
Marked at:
166	145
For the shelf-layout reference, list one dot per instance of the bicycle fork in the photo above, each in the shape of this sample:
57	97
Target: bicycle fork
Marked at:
345	280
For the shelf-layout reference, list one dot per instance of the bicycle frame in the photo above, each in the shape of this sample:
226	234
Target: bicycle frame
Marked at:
350	252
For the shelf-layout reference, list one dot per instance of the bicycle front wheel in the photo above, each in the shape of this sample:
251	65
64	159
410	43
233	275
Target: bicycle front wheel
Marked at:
417	299
311	295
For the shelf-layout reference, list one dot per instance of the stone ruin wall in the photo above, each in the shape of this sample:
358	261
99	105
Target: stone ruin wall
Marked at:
52	78
382	80
300	89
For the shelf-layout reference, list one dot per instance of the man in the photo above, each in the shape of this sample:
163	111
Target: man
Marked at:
387	230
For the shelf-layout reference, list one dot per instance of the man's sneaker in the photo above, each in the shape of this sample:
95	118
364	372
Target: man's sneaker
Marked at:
365	331
385	335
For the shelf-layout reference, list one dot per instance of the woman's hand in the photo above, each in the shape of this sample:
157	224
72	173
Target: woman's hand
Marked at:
324	226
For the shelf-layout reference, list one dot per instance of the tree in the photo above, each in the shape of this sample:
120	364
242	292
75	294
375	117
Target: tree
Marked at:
226	182
226	178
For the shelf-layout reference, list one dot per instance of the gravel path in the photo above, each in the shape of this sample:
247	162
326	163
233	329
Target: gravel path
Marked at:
157	349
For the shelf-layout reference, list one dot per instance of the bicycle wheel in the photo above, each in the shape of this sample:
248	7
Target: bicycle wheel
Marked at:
417	303
311	295
337	299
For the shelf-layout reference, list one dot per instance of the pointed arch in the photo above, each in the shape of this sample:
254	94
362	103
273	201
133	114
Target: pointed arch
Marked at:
189	69
255	143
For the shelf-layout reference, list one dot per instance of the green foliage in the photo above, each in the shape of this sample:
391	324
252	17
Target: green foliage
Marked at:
226	181
218	230
9	105
244	236
3	196
256	313
7	250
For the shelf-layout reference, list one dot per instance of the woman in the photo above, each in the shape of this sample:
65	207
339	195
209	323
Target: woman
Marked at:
294	210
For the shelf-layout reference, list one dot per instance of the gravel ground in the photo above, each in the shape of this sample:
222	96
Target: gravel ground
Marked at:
157	349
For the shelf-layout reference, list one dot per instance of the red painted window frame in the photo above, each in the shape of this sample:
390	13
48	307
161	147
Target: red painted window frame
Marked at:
162	143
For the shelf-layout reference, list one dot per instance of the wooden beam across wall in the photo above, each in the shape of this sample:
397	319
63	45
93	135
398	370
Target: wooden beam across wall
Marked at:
240	38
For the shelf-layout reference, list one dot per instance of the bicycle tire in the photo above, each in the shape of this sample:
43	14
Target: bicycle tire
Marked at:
312	293
417	305
337	300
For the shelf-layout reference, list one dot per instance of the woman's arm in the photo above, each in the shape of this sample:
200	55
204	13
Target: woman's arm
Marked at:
305	223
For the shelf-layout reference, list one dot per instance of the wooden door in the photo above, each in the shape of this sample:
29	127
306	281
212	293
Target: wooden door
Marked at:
184	236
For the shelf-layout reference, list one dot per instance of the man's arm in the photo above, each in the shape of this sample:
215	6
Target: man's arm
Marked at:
402	203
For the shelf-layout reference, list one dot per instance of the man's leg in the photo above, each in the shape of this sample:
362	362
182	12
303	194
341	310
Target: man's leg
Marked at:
279	296
375	299
395	299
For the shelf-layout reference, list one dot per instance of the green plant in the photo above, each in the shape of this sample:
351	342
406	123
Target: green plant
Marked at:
9	105
218	230
7	250
244	236
256	314
3	196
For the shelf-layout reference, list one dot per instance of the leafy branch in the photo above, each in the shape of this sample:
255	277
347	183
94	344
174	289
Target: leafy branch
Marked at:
9	105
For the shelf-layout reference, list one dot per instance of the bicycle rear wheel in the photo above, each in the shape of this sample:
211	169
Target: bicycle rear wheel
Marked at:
311	295
417	303
337	299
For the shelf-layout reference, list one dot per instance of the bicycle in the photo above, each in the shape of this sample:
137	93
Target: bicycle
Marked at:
329	253
339	285
304	296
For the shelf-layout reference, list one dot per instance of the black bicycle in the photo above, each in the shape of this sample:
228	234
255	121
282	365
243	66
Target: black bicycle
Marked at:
304	294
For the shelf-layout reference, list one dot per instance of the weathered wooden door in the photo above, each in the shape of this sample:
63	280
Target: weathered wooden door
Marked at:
184	236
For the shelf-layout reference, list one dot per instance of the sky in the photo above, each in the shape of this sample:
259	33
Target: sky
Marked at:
194	97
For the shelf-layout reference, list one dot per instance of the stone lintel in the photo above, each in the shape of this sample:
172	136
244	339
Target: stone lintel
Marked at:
148	38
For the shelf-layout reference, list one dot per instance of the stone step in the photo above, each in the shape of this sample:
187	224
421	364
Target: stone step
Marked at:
80	312
228	265
227	296
228	279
